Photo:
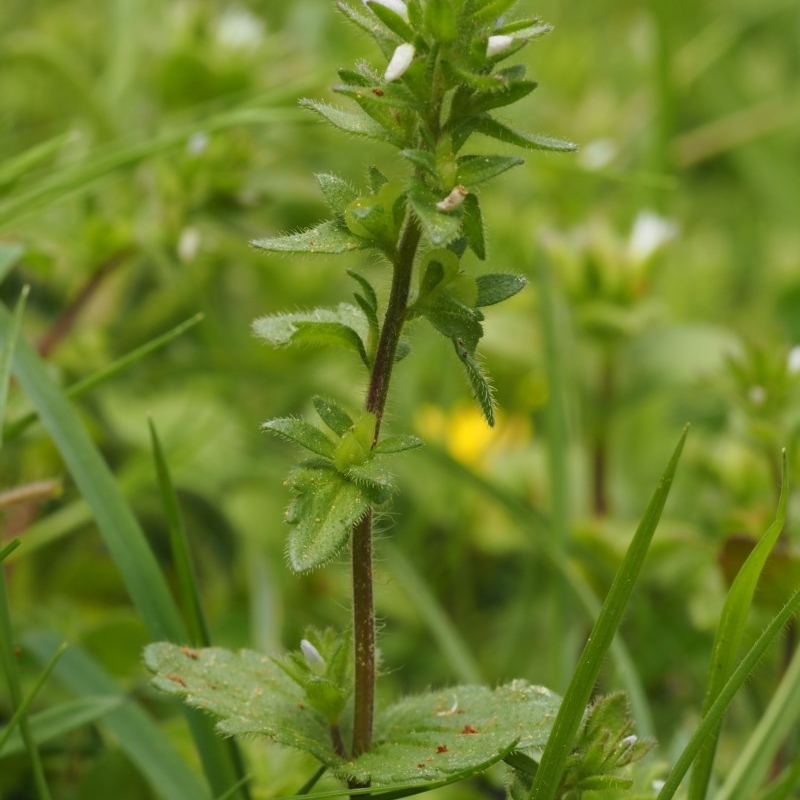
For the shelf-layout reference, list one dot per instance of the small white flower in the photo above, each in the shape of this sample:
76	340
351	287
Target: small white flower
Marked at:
793	360
400	62
757	395
650	233
240	29
454	199
314	659
629	741
189	244
497	44
197	143
398	6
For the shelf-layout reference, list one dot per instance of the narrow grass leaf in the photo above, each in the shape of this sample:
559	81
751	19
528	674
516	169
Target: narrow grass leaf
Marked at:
709	723
450	642
142	741
777	722
59	720
8	660
188	586
106	373
559	745
730	632
9	255
7	354
783	787
120	530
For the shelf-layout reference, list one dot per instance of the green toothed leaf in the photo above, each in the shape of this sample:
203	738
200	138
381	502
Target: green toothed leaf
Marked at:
532	141
473	170
479	381
397	444
329	237
441	227
345	326
358	124
472	223
324	508
332	414
338	192
302	433
498	286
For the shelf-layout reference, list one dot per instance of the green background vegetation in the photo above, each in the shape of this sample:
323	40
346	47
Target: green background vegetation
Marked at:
143	143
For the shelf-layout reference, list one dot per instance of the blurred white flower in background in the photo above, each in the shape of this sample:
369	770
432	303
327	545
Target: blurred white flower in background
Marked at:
793	360
649	234
188	244
238	28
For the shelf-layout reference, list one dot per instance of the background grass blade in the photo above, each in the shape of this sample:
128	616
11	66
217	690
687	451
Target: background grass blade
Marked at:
537	526
777	722
9	254
462	663
711	720
570	714
7	354
61	719
92	381
8	659
188	590
730	632
120	530
139	737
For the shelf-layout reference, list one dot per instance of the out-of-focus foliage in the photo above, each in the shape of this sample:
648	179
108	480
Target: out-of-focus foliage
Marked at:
143	143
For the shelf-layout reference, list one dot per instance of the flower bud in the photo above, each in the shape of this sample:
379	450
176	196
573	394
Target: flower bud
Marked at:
400	62
314	659
497	44
398	6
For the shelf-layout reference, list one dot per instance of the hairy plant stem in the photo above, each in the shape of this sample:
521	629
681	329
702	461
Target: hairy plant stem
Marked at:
361	551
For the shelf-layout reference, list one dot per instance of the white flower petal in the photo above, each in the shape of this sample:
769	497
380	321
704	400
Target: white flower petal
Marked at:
793	361
497	44
400	62
398	6
650	233
314	659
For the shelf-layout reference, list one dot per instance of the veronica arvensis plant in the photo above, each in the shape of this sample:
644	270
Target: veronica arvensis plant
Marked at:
443	79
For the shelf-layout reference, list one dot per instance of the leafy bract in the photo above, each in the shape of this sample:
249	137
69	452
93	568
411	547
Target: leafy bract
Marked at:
344	326
324	508
338	192
441	227
358	124
477	169
496	287
300	432
332	414
531	141
330	237
421	738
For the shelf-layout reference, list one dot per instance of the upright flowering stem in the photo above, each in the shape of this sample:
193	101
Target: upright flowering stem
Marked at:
361	552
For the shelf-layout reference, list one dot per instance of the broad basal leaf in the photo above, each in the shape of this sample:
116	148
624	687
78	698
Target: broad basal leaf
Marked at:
498	286
325	507
421	738
247	690
328	237
433	735
300	432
